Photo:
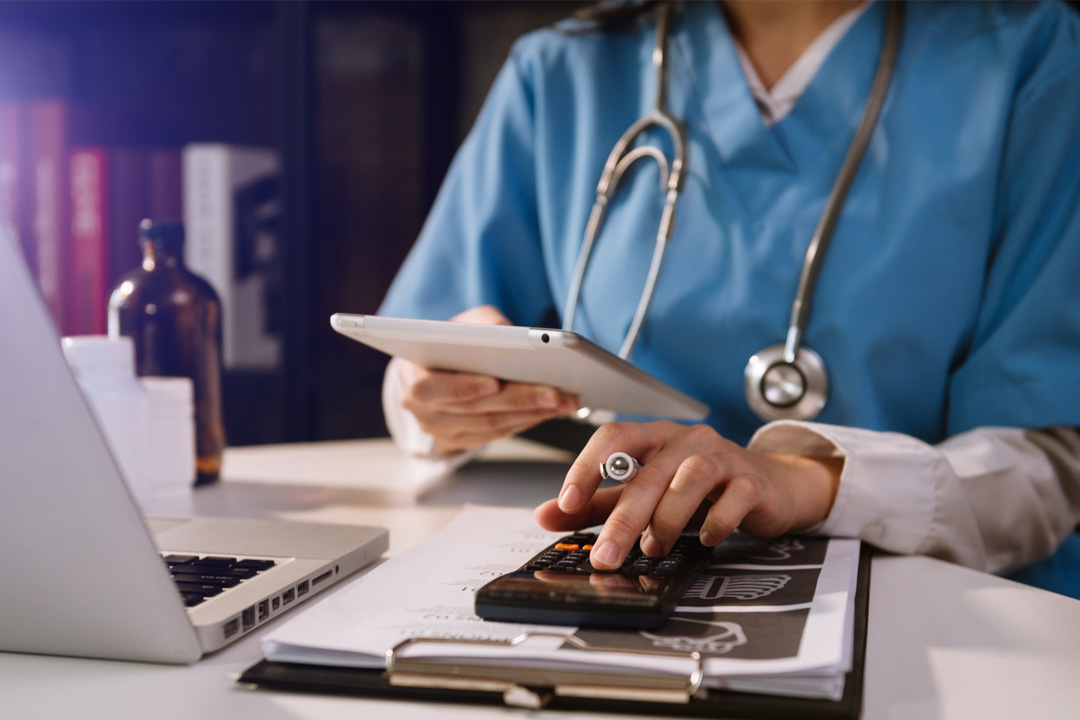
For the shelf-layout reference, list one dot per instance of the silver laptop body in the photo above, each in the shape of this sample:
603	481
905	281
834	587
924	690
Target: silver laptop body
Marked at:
80	572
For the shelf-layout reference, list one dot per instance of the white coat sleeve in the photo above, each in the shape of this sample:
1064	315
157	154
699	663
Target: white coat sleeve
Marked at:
991	498
406	432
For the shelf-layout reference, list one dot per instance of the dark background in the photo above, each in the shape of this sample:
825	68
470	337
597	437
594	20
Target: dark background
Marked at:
366	103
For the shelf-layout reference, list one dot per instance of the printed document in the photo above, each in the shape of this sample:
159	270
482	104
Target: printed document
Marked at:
773	616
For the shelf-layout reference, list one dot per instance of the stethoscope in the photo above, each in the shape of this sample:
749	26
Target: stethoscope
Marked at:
783	381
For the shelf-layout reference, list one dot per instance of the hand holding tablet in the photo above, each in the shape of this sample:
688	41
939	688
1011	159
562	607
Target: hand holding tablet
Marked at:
546	357
462	411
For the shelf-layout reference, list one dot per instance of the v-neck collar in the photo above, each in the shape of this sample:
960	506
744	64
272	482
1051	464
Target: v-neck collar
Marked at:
719	99
774	103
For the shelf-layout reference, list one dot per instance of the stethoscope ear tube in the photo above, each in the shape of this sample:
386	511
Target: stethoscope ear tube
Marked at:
620	158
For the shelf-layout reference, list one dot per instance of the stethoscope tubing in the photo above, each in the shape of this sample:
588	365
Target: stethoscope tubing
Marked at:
671	179
819	242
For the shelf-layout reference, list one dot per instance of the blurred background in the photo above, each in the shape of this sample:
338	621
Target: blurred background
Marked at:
305	141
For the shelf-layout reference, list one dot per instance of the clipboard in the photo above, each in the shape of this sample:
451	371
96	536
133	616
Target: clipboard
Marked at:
417	681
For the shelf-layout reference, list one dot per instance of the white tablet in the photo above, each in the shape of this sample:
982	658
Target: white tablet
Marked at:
559	358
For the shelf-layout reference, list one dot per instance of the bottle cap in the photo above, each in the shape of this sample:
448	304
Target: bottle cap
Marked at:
100	355
166	235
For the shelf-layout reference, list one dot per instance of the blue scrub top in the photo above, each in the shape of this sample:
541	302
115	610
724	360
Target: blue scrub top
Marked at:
950	295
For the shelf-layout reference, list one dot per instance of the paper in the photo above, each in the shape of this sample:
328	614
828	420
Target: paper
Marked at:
767	616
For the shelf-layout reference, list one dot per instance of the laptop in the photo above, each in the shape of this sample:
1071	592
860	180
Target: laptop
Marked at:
82	572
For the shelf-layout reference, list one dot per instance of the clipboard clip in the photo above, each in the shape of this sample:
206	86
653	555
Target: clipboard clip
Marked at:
534	687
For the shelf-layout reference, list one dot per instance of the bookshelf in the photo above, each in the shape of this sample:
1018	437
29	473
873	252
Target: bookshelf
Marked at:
365	103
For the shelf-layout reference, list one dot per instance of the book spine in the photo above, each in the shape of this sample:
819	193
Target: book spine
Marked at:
14	196
47	144
230	209
165	185
88	290
207	222
128	205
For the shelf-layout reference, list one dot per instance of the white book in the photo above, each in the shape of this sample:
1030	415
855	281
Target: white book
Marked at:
231	206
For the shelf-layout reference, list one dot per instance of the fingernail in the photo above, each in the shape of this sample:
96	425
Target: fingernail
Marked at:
547	398
707	538
568	405
606	553
651	546
570	499
487	386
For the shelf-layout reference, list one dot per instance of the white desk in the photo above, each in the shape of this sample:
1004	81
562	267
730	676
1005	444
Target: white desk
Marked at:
944	642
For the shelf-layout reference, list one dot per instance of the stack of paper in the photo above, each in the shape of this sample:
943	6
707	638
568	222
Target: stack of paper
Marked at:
766	616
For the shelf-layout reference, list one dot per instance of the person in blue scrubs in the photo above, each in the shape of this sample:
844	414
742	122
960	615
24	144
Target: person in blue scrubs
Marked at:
947	310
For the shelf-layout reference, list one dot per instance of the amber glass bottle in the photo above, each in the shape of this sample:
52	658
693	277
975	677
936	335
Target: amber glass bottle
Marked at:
174	317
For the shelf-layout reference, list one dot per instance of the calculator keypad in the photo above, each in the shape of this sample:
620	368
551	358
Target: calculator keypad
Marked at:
571	554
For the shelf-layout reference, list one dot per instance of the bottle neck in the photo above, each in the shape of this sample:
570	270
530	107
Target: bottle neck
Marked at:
158	254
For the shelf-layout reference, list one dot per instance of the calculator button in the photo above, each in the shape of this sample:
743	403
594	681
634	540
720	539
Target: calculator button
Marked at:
664	569
587	567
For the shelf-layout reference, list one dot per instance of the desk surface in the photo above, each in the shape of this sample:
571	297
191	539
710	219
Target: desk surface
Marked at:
943	642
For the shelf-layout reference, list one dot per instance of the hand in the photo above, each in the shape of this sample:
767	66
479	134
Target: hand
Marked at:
464	411
764	494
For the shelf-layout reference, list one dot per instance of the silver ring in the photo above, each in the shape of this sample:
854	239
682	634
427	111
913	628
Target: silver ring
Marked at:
619	466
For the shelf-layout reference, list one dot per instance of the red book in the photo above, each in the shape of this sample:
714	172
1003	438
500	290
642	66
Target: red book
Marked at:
89	236
48	121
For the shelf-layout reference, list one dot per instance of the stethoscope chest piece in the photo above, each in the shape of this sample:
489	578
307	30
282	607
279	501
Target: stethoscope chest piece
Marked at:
778	388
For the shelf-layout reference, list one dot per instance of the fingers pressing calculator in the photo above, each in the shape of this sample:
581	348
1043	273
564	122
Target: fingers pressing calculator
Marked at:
560	587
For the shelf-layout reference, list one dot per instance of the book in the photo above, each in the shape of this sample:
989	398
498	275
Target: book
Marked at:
54	127
165	184
47	142
142	183
89	236
774	617
14	197
231	210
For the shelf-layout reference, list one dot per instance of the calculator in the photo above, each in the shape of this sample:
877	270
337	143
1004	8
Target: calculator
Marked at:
560	587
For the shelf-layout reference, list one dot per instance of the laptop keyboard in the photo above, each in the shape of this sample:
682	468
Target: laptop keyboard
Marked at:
200	577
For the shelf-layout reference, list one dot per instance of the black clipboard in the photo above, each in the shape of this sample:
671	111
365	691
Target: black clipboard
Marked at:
375	683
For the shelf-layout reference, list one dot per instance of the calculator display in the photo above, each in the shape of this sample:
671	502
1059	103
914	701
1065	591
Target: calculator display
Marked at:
579	586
